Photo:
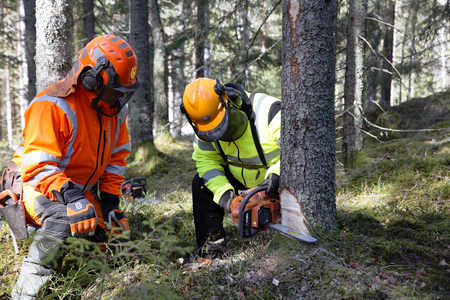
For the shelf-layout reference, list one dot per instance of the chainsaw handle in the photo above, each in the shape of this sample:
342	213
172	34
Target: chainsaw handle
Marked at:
242	208
6	193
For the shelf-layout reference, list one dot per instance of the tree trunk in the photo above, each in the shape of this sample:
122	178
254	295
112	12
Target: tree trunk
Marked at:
201	37
30	45
178	78
244	45
140	119
388	46
307	183
354	81
160	72
88	21
54	24
23	67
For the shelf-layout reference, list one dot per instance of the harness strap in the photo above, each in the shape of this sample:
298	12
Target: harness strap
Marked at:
257	145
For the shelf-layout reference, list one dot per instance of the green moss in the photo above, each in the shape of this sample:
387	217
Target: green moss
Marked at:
356	159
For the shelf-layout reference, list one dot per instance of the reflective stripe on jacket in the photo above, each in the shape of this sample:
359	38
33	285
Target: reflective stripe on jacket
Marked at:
65	139
208	159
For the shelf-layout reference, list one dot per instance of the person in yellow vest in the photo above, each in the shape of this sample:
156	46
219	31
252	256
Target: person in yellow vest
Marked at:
236	147
75	136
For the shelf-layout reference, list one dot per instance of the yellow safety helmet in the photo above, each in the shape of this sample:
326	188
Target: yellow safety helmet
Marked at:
212	111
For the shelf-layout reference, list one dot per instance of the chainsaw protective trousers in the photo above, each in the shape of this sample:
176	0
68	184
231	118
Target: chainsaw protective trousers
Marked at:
45	254
47	249
208	215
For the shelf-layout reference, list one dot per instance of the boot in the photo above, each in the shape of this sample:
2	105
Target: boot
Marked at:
31	279
210	250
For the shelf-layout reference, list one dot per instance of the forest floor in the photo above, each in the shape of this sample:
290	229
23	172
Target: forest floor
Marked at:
392	240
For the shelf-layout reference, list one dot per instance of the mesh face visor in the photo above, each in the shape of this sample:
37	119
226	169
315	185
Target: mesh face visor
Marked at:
237	124
113	93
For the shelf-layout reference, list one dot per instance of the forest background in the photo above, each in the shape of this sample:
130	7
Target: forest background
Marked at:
403	81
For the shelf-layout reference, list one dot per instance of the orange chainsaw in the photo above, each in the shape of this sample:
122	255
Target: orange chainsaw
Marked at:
255	211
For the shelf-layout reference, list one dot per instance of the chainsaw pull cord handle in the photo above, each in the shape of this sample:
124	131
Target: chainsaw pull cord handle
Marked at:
242	208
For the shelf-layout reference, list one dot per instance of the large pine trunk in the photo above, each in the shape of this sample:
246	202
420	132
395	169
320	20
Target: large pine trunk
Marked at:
307	183
54	29
140	116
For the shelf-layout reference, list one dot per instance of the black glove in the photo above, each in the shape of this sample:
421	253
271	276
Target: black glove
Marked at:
111	212
273	182
225	200
81	212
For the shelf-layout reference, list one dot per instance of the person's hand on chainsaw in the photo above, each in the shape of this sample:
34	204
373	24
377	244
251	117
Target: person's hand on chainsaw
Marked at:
112	213
273	182
226	199
81	212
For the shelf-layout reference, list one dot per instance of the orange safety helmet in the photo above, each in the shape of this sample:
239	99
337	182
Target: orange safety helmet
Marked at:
209	110
107	66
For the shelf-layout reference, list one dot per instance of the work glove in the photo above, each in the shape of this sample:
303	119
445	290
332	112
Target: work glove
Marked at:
226	199
112	213
273	182
81	212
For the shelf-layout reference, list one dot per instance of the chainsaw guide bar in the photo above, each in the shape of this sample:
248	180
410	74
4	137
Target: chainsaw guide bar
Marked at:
289	232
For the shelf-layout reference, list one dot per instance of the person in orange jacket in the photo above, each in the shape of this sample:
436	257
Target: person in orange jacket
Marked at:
75	137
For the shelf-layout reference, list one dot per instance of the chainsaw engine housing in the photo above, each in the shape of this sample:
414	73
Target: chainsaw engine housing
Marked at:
260	210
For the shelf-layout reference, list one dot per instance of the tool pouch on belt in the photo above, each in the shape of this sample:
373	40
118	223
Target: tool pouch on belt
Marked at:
11	202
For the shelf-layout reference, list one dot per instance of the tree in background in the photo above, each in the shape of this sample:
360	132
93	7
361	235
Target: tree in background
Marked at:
354	78
30	45
307	183
202	54
88	21
388	46
140	119
54	29
160	72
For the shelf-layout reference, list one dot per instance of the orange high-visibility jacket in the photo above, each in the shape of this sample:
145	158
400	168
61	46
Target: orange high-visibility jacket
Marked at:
65	139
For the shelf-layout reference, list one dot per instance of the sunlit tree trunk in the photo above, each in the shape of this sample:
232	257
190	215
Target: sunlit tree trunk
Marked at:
353	88
178	78
160	72
140	119
307	183
23	66
54	41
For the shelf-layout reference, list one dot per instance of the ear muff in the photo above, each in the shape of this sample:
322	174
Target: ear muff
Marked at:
235	96
91	80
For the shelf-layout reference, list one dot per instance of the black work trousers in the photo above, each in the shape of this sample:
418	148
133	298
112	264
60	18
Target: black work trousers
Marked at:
208	215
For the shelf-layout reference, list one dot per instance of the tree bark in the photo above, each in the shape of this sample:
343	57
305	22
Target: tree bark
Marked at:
201	37
388	46
160	72
140	116
30	45
307	183
54	26
178	77
88	21
354	81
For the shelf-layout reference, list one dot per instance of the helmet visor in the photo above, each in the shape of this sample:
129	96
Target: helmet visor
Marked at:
237	124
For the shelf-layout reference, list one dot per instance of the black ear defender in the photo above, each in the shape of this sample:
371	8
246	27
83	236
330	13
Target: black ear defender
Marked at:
235	96
219	88
91	80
